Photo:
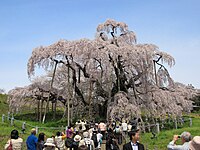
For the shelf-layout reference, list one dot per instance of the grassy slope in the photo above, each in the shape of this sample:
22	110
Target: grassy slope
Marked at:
6	128
163	138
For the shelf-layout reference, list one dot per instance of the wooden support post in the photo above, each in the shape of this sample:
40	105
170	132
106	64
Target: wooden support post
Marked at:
176	126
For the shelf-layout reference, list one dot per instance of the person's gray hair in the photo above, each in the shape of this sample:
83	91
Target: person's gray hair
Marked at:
186	136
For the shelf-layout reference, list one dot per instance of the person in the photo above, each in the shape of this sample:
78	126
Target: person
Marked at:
40	143
134	144
69	132
53	137
32	140
124	127
49	145
75	143
59	140
111	142
99	139
129	126
15	140
87	141
83	124
77	125
185	138
118	134
102	127
23	127
95	139
194	144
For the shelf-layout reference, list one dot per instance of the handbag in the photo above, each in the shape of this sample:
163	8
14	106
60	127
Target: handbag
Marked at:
10	145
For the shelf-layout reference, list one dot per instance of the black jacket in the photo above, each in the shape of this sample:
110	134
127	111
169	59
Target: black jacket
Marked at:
128	146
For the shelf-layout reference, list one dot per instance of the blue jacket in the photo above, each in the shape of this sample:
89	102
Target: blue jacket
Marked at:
31	142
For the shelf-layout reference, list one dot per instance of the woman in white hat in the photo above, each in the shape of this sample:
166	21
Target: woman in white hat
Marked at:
49	145
195	143
75	143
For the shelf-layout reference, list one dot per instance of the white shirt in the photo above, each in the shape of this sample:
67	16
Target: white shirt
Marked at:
134	146
99	136
173	146
83	126
129	127
124	126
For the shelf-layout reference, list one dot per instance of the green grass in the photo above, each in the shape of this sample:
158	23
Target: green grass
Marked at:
159	143
6	128
164	137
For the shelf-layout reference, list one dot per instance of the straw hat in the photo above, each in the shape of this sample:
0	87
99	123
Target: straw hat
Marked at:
77	138
195	143
49	142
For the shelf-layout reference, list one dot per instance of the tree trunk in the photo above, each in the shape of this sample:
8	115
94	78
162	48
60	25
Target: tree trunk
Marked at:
38	110
47	104
41	110
90	97
154	66
54	111
103	110
68	109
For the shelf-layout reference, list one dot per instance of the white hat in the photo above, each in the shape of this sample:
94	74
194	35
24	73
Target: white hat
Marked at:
49	142
195	143
77	138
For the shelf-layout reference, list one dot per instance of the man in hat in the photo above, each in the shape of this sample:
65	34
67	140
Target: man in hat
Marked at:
185	138
32	140
134	144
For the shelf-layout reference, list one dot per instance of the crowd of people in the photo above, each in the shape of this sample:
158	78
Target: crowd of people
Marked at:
91	136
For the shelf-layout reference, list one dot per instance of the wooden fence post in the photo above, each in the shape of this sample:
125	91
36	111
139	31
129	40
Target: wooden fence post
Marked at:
157	127
149	127
36	128
8	116
190	122
3	118
12	121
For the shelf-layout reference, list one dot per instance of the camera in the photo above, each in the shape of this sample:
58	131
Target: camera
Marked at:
179	136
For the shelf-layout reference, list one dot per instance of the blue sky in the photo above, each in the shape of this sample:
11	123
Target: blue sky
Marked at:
173	25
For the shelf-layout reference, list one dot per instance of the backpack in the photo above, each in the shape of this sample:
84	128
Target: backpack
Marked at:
94	138
87	143
74	145
68	142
